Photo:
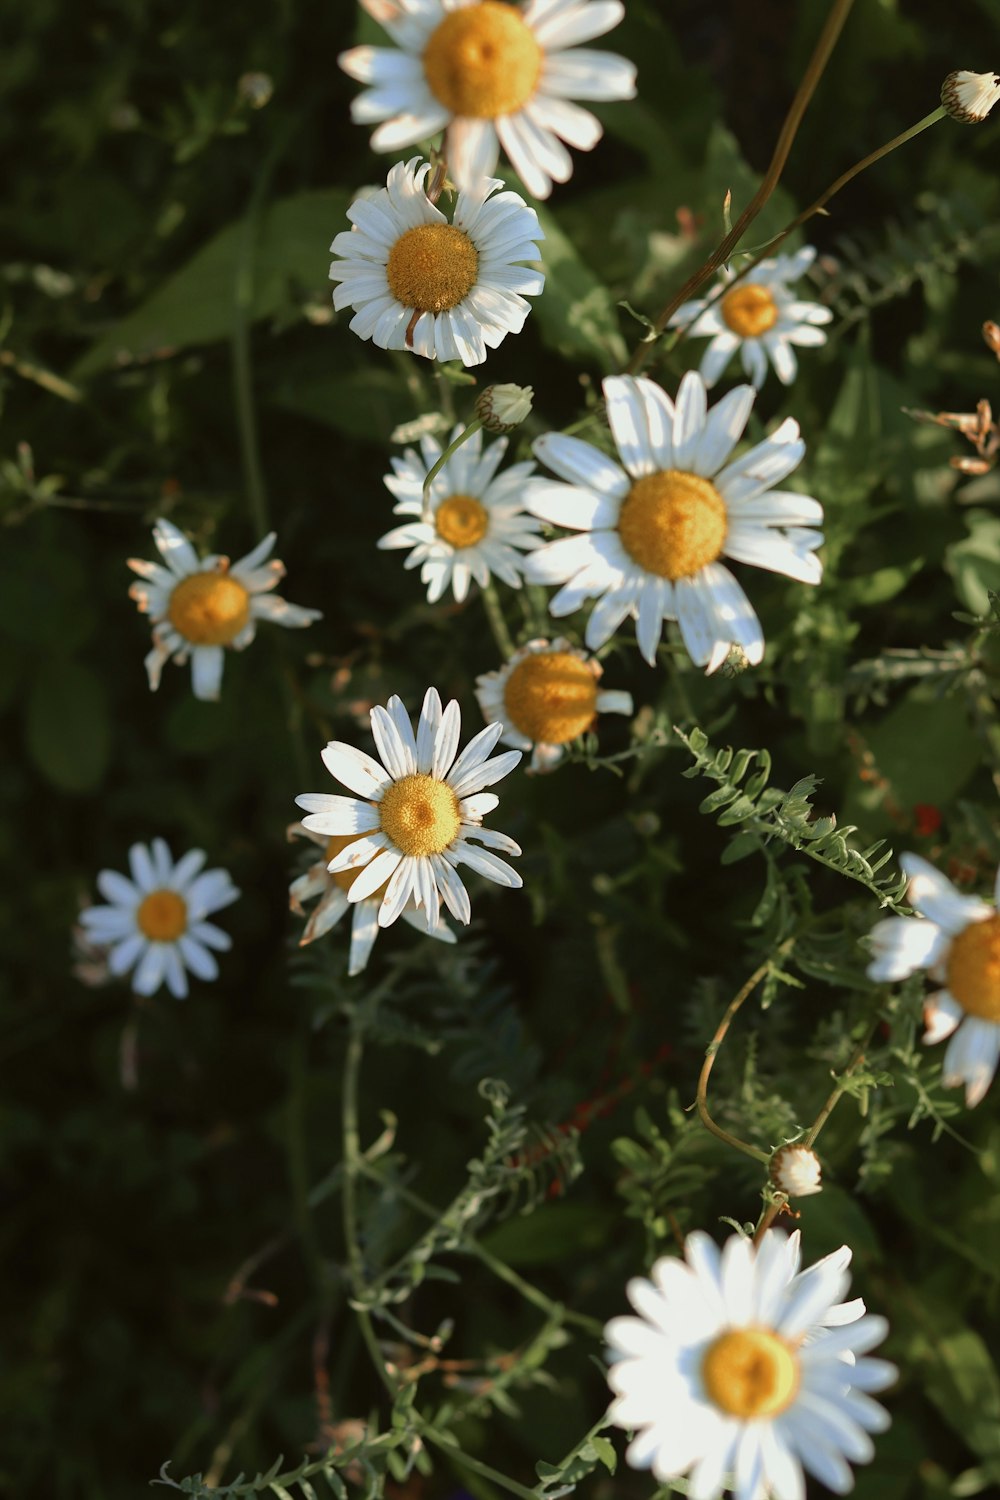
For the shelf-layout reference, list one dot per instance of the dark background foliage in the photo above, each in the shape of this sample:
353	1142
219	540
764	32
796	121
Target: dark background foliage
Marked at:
169	349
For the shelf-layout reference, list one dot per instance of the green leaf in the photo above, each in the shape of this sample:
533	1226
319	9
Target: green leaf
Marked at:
957	1373
195	306
562	1229
576	311
974	562
68	728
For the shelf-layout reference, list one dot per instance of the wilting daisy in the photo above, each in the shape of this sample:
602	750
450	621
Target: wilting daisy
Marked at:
742	1370
546	695
154	924
199	606
655	526
492	75
477	523
760	317
956	939
333	903
420	810
447	290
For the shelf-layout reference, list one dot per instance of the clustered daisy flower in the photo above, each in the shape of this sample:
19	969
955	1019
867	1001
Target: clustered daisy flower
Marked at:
545	696
154	924
473	523
653	527
333	903
741	1370
956	939
414	817
490	75
447	289
759	317
199	606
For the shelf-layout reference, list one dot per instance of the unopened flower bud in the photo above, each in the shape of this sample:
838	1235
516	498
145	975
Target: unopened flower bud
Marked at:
255	89
796	1171
969	97
501	408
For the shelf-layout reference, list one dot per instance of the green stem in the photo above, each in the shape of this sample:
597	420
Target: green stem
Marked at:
435	469
498	625
466	1461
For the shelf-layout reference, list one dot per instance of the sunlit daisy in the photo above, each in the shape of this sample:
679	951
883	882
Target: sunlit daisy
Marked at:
333	903
545	696
956	939
420	811
491	75
199	606
741	1370
655	526
154	925
969	97
760	317
445	289
477	524
796	1170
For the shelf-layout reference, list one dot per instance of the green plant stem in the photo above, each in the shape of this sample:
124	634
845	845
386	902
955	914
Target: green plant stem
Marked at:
498	625
832	28
711	1052
432	473
466	1461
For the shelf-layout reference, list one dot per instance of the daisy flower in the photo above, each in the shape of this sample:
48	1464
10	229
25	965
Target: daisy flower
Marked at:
491	75
446	290
969	97
418	812
956	939
654	526
761	317
741	1370
154	924
545	696
477	524
199	606
332	891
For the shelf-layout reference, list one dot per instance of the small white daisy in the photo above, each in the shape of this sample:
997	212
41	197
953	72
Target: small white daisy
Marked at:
655	526
333	903
446	290
742	1370
796	1170
969	97
956	939
420	810
760	317
155	923
199	606
491	75
477	524
546	695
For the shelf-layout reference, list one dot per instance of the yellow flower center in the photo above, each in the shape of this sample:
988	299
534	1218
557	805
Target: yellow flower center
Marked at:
346	878
551	697
483	61
750	1372
209	609
162	916
420	814
749	310
974	969
432	267
461	520
673	523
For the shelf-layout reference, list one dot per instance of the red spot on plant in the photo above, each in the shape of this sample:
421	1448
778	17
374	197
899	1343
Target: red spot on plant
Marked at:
926	819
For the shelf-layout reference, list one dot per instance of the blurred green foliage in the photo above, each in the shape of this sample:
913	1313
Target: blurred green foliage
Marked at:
175	1270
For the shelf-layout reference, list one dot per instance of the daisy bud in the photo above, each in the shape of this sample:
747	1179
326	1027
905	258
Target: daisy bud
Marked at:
795	1170
969	97
501	408
255	89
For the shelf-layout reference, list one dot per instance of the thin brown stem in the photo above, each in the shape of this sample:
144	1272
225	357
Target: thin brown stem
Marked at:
839	12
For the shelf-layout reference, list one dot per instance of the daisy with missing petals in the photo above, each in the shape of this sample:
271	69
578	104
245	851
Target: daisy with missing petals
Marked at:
760	317
491	75
446	290
419	811
741	1370
333	903
477	524
654	526
956	939
199	606
154	924
545	696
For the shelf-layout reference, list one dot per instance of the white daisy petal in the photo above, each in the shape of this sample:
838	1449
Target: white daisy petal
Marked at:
355	770
971	1058
934	896
581	464
902	945
942	1013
